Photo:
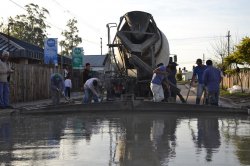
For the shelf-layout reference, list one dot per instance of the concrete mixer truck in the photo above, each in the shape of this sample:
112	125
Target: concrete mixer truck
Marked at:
137	48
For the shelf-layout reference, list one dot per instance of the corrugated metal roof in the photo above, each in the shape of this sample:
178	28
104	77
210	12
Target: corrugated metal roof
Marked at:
95	60
21	49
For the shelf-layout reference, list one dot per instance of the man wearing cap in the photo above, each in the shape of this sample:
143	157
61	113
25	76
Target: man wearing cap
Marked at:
172	78
57	87
5	70
198	71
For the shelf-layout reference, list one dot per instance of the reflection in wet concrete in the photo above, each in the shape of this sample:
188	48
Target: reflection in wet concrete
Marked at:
125	139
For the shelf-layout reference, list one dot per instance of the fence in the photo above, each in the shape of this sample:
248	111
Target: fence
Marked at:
30	82
229	81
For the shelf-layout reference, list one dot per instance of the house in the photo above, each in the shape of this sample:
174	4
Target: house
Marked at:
25	53
98	63
186	76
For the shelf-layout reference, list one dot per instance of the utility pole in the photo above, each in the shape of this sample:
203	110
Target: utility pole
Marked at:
203	58
228	43
8	37
61	58
101	45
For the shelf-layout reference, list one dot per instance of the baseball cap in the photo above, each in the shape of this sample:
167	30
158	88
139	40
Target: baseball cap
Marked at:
5	53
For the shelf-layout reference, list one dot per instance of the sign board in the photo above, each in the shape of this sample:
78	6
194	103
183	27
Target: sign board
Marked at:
50	51
77	58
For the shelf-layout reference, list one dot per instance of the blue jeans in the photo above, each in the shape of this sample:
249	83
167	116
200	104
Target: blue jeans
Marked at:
200	90
88	95
4	94
213	98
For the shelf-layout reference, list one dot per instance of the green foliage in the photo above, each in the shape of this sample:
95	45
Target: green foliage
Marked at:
241	55
179	76
71	37
226	93
244	49
30	27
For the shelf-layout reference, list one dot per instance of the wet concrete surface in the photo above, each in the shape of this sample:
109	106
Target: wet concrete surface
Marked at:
77	98
127	139
124	138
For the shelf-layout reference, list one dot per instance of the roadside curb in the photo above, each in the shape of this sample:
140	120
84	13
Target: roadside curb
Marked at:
221	99
230	102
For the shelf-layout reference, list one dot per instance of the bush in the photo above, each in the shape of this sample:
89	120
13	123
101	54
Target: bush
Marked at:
179	76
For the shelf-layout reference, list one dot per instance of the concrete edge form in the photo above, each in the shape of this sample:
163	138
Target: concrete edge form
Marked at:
131	106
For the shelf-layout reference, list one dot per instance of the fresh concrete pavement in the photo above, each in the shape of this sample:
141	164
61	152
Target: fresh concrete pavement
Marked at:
77	97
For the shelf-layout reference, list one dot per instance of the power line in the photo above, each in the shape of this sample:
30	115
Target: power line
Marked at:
201	37
26	10
75	15
50	24
17	4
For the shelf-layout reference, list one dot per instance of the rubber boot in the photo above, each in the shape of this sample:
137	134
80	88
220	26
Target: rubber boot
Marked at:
198	101
206	101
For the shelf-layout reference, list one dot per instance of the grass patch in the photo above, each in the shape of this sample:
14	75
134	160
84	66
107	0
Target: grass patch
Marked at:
183	82
226	93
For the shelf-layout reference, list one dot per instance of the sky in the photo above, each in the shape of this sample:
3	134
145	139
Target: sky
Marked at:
192	27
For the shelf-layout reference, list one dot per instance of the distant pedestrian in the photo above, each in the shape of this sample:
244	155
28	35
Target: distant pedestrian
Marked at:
57	87
91	90
198	72
86	73
5	70
212	78
66	72
68	86
156	83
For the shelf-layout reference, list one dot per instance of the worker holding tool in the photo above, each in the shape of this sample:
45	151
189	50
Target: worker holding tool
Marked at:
91	90
57	87
156	83
198	71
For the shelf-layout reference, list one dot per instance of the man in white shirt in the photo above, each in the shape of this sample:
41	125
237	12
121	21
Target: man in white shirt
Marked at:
68	86
91	90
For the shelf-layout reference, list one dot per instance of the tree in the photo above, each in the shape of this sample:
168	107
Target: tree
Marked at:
220	49
240	56
1	25
243	50
30	27
71	37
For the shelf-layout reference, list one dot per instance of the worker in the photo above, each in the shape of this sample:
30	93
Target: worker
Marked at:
212	78
198	72
172	78
156	83
91	88
86	73
57	87
5	70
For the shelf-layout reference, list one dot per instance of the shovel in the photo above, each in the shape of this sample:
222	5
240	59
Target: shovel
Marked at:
188	91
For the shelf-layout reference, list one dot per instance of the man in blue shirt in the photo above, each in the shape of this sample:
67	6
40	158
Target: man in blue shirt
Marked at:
198	71
156	83
212	79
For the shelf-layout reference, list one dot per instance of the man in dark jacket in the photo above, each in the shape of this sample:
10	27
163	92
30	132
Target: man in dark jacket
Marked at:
86	73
